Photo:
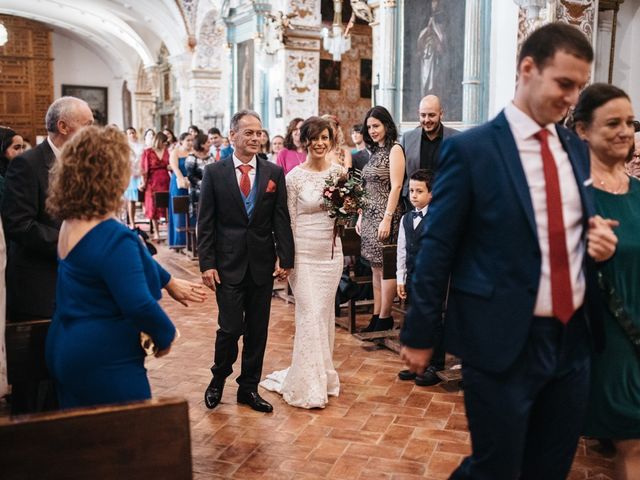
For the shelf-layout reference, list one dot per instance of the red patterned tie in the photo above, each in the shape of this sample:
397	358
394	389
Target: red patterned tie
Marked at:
245	183
561	292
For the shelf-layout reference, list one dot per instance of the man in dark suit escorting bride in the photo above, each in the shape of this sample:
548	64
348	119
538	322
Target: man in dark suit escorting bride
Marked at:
244	242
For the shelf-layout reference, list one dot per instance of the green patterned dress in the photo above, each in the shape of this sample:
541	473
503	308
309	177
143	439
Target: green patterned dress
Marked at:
614	403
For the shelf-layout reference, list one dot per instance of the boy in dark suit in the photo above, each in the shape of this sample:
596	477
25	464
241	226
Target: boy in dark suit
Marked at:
411	227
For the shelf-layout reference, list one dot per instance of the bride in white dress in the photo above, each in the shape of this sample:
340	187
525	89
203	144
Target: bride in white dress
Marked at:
312	378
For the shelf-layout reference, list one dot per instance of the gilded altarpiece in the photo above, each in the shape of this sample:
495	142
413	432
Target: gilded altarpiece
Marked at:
26	76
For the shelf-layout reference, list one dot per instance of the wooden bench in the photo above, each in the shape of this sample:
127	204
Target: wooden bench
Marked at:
135	441
180	206
351	248
25	343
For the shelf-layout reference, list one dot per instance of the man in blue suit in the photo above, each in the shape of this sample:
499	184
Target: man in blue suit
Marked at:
511	226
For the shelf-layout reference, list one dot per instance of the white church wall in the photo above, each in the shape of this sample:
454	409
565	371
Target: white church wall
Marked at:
504	40
626	73
75	64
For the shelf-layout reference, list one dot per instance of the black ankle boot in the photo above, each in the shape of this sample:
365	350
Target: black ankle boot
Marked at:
383	324
372	324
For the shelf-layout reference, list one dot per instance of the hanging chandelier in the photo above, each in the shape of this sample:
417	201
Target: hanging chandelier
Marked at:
4	36
335	41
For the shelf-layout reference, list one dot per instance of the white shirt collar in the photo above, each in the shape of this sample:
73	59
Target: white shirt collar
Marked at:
56	150
522	125
253	162
424	210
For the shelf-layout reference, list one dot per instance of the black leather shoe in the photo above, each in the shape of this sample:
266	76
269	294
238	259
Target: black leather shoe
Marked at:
213	394
255	401
406	375
428	378
372	324
383	324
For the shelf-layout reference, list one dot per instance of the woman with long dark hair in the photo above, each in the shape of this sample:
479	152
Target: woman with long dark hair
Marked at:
293	153
604	118
11	145
380	219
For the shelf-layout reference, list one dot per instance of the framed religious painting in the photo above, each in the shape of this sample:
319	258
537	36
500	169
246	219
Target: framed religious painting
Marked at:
366	71
433	55
330	74
96	97
245	59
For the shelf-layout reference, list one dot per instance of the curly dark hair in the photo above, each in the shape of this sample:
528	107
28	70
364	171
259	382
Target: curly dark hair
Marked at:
391	132
88	179
312	128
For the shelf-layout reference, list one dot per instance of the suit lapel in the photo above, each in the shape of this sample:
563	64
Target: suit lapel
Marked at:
579	171
511	158
263	177
413	146
231	182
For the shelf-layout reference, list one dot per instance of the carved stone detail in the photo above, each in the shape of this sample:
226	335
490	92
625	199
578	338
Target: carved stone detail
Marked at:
308	12
301	92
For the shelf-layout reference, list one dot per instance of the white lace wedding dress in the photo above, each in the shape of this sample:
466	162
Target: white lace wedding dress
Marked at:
311	378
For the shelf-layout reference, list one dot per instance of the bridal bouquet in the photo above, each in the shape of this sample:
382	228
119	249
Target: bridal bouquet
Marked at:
343	196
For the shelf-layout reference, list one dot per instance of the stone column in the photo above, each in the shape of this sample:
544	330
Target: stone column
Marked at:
472	97
299	72
603	46
388	48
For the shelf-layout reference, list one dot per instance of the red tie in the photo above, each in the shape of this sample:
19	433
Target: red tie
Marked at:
561	292
245	183
217	154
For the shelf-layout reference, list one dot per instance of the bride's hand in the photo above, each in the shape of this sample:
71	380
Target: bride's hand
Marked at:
359	225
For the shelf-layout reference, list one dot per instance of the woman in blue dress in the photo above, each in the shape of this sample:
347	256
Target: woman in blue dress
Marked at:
108	285
179	185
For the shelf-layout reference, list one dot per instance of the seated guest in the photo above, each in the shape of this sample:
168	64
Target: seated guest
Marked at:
293	153
108	284
604	119
411	227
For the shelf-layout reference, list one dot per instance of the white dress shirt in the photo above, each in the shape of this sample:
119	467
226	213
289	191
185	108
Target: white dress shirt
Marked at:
252	172
524	128
401	248
56	150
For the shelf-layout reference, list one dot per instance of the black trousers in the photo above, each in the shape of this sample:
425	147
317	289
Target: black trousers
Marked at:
244	311
525	423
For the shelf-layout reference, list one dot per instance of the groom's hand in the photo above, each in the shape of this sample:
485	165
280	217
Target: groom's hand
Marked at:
417	359
210	279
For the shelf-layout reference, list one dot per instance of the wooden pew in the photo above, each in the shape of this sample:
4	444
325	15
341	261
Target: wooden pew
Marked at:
25	343
351	248
135	441
180	206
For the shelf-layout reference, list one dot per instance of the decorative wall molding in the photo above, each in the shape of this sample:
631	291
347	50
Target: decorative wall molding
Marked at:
301	83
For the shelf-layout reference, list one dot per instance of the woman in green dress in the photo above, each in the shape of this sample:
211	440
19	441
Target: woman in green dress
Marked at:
604	119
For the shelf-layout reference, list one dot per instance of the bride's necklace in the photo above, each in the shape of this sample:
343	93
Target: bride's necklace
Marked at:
616	187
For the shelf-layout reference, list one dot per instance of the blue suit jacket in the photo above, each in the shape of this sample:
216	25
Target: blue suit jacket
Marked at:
481	236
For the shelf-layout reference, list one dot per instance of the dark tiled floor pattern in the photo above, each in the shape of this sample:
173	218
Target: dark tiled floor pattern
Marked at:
378	428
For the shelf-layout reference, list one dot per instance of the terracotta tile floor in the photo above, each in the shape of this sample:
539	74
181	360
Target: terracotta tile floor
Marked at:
378	428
